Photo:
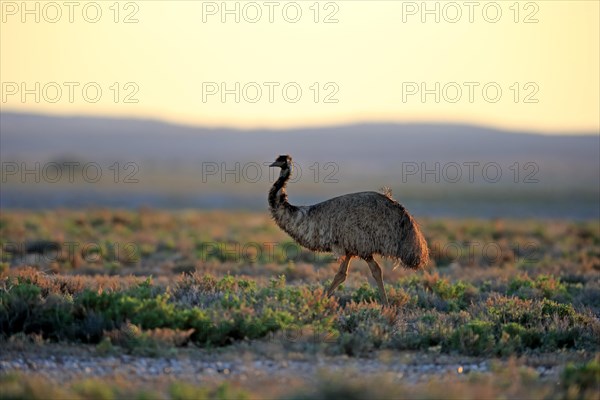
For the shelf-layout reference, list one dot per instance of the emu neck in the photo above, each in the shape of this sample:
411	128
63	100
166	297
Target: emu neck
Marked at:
277	194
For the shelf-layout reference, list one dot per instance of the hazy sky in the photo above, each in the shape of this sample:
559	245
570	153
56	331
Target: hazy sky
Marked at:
517	65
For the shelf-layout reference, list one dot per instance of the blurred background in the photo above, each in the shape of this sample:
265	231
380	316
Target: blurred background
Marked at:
486	109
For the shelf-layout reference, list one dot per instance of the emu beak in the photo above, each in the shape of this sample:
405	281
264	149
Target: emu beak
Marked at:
275	164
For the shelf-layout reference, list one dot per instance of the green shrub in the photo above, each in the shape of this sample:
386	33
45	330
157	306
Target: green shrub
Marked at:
364	328
544	286
365	293
474	338
428	330
584	377
22	309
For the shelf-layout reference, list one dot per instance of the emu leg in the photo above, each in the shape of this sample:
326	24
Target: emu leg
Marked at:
378	275
341	275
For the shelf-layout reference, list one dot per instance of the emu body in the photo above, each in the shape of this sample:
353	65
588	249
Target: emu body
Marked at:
353	225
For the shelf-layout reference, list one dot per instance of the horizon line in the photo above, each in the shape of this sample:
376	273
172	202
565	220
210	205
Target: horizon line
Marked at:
167	121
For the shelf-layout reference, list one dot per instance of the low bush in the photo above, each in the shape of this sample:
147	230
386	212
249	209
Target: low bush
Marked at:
426	312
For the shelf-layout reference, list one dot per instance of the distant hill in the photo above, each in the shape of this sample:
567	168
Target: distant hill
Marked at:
171	159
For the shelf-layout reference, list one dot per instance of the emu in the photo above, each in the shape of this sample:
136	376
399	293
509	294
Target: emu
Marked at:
353	225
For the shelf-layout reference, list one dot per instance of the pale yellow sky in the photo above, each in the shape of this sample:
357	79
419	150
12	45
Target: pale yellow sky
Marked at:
376	61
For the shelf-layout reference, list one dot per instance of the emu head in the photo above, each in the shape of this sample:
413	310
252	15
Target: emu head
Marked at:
284	162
